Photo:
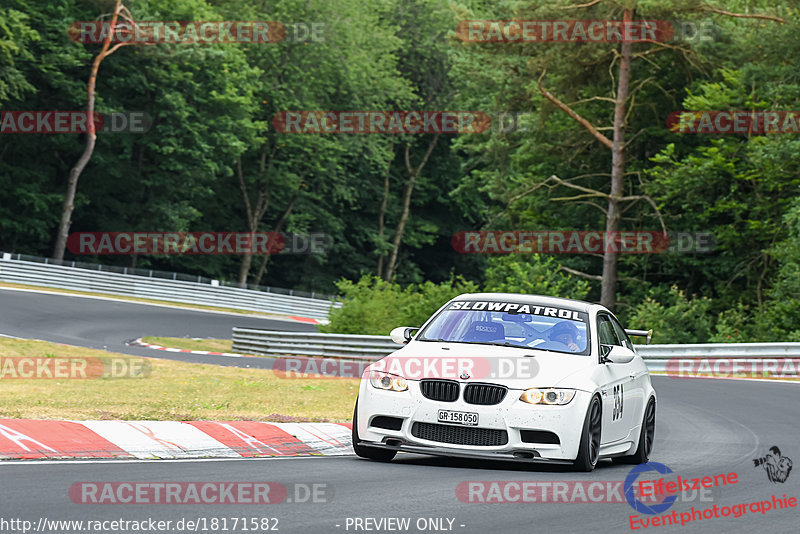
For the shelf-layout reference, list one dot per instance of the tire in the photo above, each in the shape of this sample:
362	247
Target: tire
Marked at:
646	437
589	449
371	453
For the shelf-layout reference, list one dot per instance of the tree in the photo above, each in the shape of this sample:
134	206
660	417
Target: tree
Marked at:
91	135
15	38
278	172
423	61
580	72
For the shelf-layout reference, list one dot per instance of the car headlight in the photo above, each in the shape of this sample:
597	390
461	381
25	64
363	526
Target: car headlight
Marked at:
547	396
388	382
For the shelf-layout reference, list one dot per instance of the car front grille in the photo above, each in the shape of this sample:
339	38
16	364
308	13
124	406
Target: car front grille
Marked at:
439	390
484	394
460	435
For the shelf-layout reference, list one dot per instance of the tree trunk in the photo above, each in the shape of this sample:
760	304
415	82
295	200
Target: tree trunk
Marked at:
382	213
278	226
255	213
244	270
608	292
91	138
409	189
72	186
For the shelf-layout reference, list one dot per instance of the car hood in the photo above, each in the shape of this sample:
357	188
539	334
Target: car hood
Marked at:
513	367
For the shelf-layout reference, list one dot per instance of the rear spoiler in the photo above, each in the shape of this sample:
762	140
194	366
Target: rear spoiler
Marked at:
641	333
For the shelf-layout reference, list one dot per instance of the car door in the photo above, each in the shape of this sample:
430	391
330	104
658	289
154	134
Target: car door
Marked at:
616	380
633	398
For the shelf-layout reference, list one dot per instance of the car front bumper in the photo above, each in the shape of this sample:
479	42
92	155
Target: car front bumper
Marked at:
508	423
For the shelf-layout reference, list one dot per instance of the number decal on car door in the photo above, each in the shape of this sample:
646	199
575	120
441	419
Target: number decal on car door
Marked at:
618	399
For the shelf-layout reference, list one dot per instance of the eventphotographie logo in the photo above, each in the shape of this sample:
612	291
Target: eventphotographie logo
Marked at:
777	466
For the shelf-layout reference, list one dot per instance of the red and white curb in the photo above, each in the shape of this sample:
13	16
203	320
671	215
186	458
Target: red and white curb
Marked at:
309	320
35	439
139	343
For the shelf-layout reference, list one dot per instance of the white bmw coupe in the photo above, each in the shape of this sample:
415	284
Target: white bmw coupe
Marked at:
510	377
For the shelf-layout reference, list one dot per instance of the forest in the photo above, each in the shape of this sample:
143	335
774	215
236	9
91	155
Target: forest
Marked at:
494	130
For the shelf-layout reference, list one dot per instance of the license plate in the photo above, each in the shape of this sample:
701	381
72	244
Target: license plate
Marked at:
459	418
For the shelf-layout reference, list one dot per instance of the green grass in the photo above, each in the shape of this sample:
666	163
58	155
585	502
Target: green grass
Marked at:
213	345
172	391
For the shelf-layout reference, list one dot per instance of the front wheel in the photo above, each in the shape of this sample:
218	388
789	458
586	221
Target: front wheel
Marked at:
646	437
589	449
371	453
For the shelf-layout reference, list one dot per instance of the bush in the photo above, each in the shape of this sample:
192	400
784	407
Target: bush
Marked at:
533	275
374	306
679	320
736	326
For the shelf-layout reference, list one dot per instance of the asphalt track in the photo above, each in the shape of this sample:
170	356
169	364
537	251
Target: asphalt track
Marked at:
704	428
107	324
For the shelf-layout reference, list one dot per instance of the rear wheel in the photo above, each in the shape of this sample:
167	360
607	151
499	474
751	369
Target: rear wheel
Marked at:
371	453
589	449
646	437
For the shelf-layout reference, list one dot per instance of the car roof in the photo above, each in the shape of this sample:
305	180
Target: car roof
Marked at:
539	300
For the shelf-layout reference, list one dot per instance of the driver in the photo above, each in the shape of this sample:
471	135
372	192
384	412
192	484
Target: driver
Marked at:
566	333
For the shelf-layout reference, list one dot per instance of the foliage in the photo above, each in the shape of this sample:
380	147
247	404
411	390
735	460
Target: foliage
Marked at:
374	306
535	275
673	318
212	107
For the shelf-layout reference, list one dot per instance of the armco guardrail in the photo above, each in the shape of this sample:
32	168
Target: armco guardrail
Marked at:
657	356
66	277
347	346
275	343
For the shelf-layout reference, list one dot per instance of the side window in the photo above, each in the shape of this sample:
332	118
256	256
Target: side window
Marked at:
605	331
621	334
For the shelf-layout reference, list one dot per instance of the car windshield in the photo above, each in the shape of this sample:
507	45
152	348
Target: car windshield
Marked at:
513	324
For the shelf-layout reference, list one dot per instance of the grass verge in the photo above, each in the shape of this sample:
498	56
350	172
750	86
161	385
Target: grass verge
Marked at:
173	391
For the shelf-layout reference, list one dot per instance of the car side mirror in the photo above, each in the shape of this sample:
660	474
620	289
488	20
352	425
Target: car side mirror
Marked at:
402	334
617	354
